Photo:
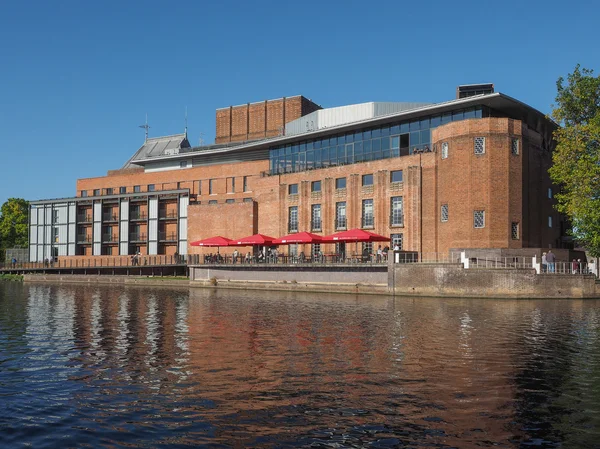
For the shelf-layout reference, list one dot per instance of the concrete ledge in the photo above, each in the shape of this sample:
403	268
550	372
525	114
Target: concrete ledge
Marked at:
308	287
105	279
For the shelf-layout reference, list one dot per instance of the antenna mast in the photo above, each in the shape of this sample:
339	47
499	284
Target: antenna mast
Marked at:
186	122
146	127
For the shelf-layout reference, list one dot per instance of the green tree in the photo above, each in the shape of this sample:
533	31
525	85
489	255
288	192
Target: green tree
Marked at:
14	224
576	159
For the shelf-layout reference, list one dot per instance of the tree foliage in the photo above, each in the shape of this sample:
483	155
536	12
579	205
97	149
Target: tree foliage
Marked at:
14	224
576	159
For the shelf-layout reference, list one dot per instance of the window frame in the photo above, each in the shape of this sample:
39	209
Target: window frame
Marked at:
293	187
337	187
482	146
444	217
313	185
365	177
395	172
481	212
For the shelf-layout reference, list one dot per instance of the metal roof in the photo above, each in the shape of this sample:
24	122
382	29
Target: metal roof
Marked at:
159	146
503	103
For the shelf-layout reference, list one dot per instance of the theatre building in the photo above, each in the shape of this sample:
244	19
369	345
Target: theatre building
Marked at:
466	173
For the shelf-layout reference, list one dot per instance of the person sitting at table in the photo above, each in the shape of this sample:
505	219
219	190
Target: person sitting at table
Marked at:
248	258
302	257
366	254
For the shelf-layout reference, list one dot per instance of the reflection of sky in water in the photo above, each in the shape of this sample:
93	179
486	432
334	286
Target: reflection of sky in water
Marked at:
134	366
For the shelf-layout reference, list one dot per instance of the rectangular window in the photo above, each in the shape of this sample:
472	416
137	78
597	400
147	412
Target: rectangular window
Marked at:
397	240
340	215
122	189
109	191
514	230
549	221
54	216
136	189
293	219
230	201
151	188
315	224
367	180
444	150
212	202
245	186
479	145
550	193
367	214
479	219
316	186
247	200
396	176
55	235
396	211
293	189
210	186
444	213
230	185
340	183
96	192
514	146
183	164
83	193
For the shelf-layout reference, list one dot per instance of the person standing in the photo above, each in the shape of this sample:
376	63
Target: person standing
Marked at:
235	255
575	266
544	262
551	260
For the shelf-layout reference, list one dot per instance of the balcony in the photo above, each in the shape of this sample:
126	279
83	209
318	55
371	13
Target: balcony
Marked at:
167	215
84	218
137	216
109	217
83	238
341	224
292	226
316	225
109	238
137	237
368	222
167	236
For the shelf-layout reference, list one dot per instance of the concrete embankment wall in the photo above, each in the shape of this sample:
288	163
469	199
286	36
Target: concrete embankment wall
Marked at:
452	280
105	279
352	279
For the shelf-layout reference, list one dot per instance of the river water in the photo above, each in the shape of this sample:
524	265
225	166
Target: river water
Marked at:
134	367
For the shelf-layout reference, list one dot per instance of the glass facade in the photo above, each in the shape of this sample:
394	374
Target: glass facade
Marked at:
393	140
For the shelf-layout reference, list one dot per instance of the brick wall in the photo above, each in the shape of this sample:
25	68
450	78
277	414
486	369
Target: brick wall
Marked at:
253	121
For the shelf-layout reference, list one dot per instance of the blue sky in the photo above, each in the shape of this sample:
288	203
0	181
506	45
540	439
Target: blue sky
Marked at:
79	77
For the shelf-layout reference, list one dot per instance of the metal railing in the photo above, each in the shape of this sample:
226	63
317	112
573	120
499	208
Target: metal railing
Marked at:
110	217
82	238
109	238
83	218
135	237
167	214
367	222
138	216
341	224
167	236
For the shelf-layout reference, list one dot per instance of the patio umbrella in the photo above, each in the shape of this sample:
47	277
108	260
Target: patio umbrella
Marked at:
213	241
256	239
299	237
355	235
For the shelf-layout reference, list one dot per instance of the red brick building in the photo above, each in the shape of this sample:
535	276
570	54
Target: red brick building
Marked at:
467	173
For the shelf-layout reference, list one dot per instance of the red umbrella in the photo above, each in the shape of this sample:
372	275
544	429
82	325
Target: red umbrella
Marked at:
256	239
355	235
213	241
299	237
